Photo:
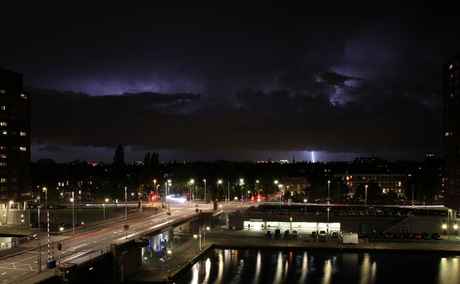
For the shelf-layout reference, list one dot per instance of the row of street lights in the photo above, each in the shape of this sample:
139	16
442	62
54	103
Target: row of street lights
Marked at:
219	182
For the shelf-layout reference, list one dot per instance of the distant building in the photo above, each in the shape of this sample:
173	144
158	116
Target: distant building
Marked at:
14	143
387	182
451	94
295	185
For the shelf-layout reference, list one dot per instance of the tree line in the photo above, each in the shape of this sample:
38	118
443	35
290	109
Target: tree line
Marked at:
221	180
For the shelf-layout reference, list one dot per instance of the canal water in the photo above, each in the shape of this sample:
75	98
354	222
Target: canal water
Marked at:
284	266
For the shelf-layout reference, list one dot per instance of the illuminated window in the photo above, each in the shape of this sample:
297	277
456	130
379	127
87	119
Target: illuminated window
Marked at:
23	96
4	132
451	66
3	156
22	148
2	107
2	123
23	133
3	180
2	164
3	91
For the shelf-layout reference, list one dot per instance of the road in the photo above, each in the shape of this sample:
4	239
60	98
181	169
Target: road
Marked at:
87	244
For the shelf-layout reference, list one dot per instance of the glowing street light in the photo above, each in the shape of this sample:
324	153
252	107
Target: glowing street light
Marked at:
217	191
46	197
241	188
204	190
192	181
73	213
170	259
196	243
365	197
279	191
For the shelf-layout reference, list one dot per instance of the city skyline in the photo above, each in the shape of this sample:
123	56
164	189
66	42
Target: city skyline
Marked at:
230	81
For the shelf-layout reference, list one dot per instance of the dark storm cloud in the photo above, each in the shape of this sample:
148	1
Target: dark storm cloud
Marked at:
335	76
261	121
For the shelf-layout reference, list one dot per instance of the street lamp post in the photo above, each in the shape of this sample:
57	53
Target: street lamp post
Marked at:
170	259
196	243
46	197
217	191
279	192
328	191
365	197
204	190
192	181
241	188
126	204
73	213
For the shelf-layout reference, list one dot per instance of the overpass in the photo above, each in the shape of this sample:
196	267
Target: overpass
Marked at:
124	256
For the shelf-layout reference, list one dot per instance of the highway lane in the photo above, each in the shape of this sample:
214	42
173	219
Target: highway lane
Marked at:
88	243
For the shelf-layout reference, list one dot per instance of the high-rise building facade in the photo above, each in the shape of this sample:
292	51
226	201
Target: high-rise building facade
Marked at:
14	142
451	94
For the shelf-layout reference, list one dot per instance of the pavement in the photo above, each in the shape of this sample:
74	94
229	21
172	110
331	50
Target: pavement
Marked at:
186	250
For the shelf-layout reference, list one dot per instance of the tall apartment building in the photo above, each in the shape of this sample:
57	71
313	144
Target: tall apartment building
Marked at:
14	144
451	94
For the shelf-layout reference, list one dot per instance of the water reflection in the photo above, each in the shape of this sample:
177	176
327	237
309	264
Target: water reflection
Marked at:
283	266
327	272
258	268
449	268
304	268
368	270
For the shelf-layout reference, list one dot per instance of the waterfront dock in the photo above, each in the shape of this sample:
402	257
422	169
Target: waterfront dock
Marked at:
186	250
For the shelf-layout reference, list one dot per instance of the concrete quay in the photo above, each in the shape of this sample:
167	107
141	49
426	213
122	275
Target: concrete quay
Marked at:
186	250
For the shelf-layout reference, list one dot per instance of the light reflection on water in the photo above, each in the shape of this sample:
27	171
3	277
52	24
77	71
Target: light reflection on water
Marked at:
273	266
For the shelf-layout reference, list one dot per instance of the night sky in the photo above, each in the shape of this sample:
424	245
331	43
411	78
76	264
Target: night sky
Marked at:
228	80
